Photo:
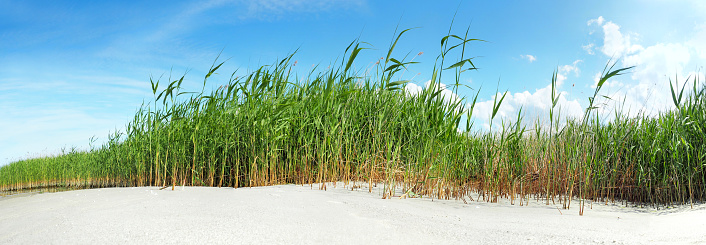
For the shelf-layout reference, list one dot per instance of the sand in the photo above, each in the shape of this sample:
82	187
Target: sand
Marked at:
292	214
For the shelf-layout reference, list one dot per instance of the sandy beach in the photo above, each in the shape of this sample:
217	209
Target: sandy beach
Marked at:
291	214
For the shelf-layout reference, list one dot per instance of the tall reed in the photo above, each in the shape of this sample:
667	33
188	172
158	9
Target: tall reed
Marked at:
337	124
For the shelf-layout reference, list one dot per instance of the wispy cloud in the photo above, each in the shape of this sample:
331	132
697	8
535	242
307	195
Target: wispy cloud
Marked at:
265	9
43	113
168	35
528	57
588	48
77	72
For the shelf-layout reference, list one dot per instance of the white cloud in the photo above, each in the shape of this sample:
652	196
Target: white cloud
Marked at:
566	69
654	65
646	88
598	21
528	57
698	42
413	89
534	105
596	77
616	43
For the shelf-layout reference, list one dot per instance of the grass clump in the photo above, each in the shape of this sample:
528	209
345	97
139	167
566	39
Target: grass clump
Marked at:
270	128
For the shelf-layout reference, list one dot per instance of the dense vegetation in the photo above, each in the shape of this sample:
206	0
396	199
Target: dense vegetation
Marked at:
269	128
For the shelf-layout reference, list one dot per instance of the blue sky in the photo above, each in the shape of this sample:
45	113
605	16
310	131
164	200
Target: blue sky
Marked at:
70	70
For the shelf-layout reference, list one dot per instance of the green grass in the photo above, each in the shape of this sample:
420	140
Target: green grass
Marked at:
337	124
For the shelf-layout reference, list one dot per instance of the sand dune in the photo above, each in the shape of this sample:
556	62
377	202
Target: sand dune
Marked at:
291	214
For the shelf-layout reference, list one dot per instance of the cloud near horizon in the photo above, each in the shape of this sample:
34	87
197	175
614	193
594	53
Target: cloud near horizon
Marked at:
534	105
643	90
446	93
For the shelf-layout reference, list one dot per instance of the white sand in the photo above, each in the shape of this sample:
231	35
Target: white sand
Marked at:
300	215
